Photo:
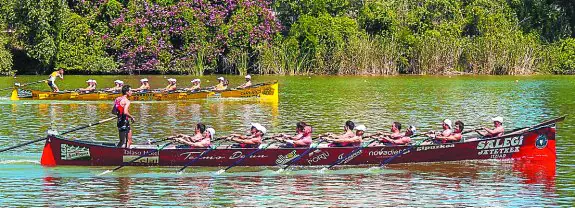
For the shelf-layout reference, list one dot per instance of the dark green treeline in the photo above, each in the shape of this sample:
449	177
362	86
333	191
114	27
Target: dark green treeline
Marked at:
368	37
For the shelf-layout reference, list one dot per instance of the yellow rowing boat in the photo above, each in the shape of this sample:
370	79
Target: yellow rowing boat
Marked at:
262	91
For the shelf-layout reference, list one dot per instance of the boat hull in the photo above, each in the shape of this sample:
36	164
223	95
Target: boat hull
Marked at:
537	144
264	91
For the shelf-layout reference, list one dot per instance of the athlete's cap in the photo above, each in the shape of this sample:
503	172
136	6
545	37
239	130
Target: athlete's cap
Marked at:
447	122
88	81
248	76
196	80
143	80
171	80
412	129
118	81
212	131
221	78
498	119
259	127
360	128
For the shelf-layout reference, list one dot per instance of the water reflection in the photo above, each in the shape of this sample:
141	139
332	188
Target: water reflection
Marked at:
324	102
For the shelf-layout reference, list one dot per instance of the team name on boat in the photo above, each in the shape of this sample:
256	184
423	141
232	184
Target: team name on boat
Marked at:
386	152
431	147
318	157
499	147
137	152
500	143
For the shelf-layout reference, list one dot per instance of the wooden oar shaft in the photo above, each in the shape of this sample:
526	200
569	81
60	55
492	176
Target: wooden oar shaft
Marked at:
66	132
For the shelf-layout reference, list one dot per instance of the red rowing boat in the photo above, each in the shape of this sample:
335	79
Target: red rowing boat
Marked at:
527	143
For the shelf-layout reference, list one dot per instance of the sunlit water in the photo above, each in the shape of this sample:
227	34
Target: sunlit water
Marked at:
324	102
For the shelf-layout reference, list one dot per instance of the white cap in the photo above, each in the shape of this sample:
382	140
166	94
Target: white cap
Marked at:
412	129
144	80
360	128
171	80
212	131
94	81
448	122
259	127
248	76
498	119
196	80
221	78
88	81
118	81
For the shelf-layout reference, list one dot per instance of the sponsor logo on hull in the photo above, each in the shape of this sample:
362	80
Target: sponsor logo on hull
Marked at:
72	152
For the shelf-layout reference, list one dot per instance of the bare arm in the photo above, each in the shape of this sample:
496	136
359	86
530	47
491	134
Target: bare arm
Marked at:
350	140
126	109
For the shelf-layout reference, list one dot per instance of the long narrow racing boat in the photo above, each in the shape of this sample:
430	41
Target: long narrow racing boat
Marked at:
532	143
263	91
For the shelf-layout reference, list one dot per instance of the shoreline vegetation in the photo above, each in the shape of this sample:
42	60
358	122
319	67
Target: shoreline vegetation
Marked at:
288	37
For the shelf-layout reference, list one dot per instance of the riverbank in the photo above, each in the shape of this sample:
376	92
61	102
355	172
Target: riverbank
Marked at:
286	37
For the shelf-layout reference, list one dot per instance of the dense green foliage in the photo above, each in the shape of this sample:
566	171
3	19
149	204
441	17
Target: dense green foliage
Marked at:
288	36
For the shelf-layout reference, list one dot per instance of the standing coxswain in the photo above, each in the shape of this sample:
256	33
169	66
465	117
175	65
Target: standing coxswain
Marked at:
121	108
52	79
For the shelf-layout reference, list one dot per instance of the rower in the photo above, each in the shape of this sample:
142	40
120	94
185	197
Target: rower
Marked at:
118	87
397	138
348	129
144	87
253	141
248	82
198	135
171	85
121	108
355	140
446	125
52	79
455	136
195	85
301	139
91	86
497	131
221	84
204	141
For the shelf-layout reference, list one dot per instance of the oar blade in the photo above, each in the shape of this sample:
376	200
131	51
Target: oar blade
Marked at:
220	172
105	172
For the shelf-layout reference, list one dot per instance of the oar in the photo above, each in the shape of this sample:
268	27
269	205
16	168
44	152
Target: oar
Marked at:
294	160
337	162
63	133
205	152
383	162
247	156
25	84
131	161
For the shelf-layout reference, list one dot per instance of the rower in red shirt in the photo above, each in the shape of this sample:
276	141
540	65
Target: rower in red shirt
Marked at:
301	139
252	141
352	141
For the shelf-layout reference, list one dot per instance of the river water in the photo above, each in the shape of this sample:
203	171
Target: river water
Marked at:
326	103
